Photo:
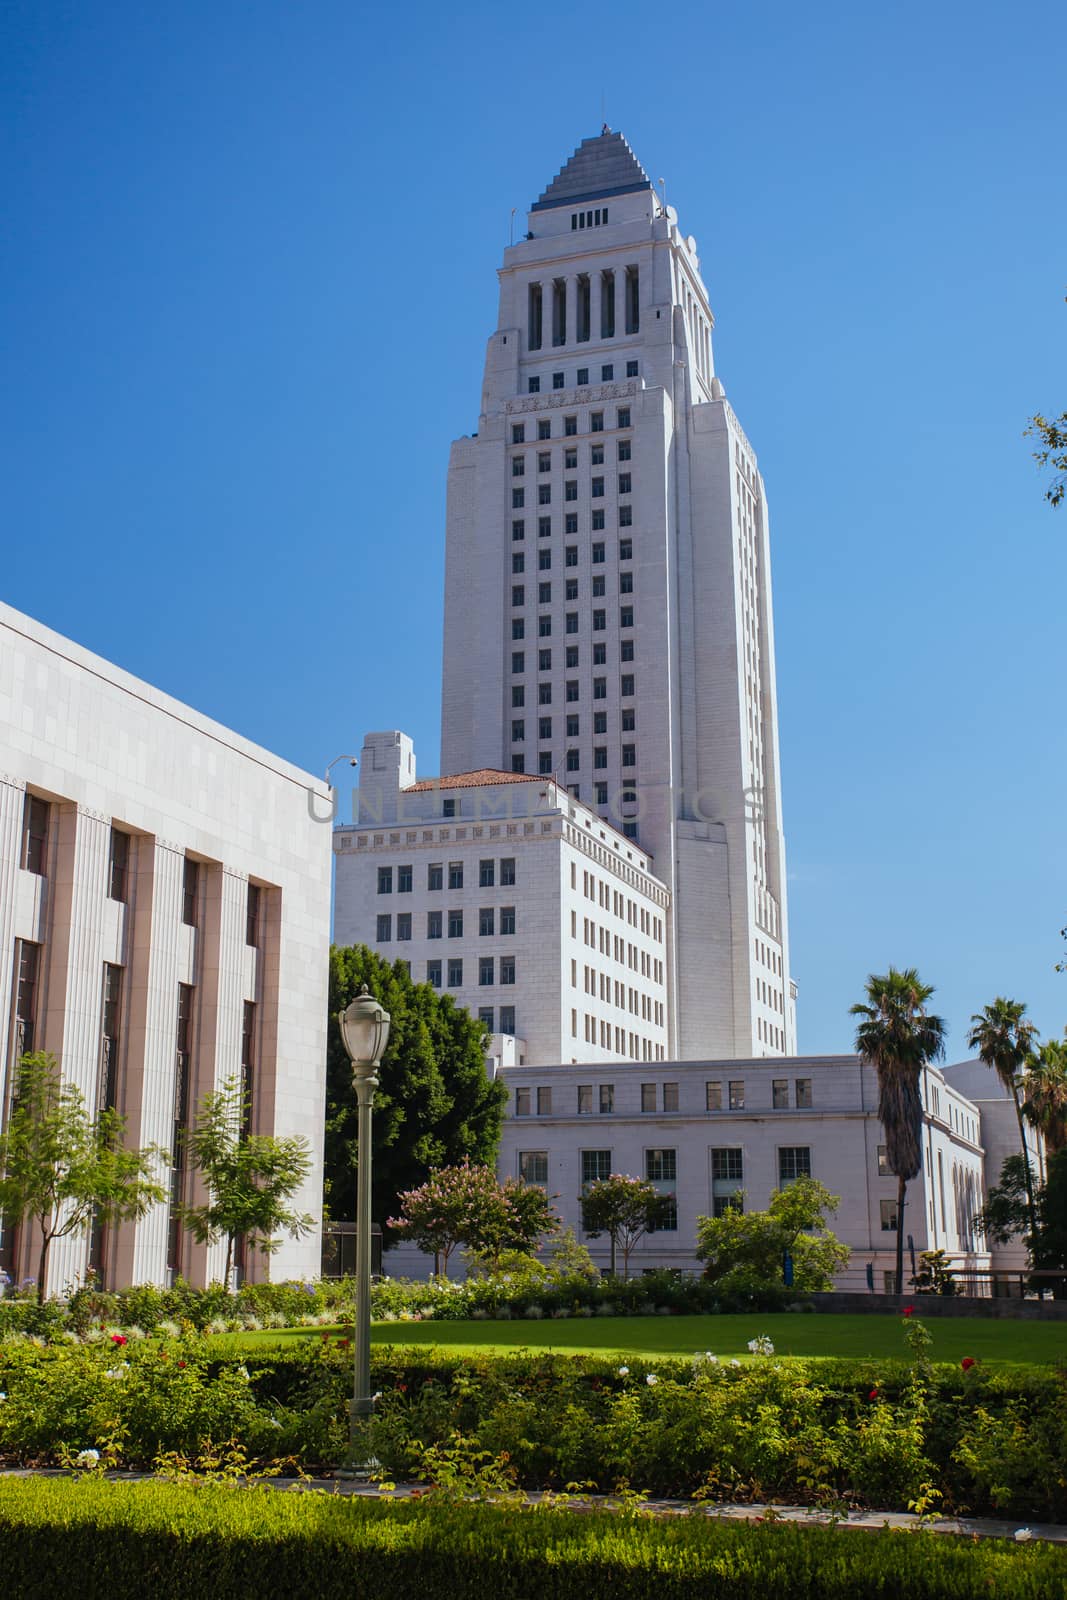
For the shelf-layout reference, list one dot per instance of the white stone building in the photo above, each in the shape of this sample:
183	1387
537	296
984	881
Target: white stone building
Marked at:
527	906
1000	1139
607	593
164	921
703	1131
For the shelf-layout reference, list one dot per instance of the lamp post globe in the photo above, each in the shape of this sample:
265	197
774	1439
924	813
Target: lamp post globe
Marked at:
365	1033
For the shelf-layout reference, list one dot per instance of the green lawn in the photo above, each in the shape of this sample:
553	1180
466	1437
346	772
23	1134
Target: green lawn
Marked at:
793	1334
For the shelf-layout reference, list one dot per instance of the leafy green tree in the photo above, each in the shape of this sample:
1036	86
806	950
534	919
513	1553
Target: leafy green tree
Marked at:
62	1169
1005	1040
746	1250
249	1177
1052	432
935	1275
625	1209
1006	1216
467	1204
1045	1094
899	1038
436	1104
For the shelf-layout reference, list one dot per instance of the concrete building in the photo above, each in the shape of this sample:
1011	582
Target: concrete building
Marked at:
526	905
164	919
1000	1139
608	611
705	1131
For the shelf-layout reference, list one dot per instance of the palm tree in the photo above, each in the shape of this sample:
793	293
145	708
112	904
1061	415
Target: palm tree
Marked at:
898	1037
1045	1094
1004	1039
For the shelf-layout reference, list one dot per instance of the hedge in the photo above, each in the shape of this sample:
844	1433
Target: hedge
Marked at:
108	1541
830	1433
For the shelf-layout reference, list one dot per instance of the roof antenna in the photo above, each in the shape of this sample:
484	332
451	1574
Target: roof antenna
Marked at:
511	230
663	193
603	114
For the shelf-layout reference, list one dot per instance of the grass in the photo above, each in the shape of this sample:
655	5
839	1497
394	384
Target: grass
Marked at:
861	1337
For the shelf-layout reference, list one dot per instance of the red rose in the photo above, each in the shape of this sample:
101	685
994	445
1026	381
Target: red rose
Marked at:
181	1363
967	1363
873	1395
907	1311
118	1338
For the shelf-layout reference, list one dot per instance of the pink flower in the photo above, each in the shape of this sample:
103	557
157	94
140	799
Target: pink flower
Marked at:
967	1363
118	1338
907	1311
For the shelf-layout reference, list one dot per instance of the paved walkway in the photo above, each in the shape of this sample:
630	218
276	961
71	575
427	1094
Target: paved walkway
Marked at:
810	1516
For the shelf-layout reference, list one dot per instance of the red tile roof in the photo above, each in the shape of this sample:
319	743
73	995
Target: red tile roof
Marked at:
482	779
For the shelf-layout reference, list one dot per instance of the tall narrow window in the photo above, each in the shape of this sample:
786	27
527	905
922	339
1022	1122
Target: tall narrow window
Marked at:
182	1085
28	960
35	816
190	890
119	865
607	305
252	914
559	311
248	1061
109	1038
633	300
583	309
534	317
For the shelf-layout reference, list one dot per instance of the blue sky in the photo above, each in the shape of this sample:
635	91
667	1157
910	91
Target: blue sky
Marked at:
249	270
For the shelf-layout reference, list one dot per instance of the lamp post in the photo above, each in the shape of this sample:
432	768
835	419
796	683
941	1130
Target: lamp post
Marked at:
365	1033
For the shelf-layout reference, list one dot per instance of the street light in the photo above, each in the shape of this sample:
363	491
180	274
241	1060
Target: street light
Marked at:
365	1033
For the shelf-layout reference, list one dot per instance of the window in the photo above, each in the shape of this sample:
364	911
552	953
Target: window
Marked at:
448	808
487	1015
534	386
518	466
28	965
626	583
518	530
455	973
544	461
570	426
486	966
596	1166
486	919
544	560
522	1102
571	623
518	763
623	419
574	723
583	377
648	1097
626	516
544	694
626	684
737	1094
888	1210
518	432
455	874
626	616
585	1099
623	450
727	1176
596	422
518	631
507	870
518	499
572	655
780	1094
544	1102
544	494
544	594
598	587
626	650
597	553
435	875
190	890
632	368
558	378
385	928
598	521
433	974
544	428
544	627
455	924
626	549
607	1099
385	880
533	1165
670	1097
600	792
403	879
572	689
884	1169
403	925
507	969
597	487
600	757
802	1087
570	459
629	755
518	594
600	722
570	556
570	489
507	1019
544	660
571	590
624	483
518	697
794	1161
661	1166
119	870
596	455
544	763
600	655
574	761
507	919
607	373
628	720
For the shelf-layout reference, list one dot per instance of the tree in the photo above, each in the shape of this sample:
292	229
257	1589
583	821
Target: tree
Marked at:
64	1170
899	1038
249	1177
1006	1216
935	1274
1053	435
466	1204
746	1250
625	1209
1045	1094
1004	1040
436	1105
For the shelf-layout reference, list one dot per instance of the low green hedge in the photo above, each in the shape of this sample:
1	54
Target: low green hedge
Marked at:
176	1542
874	1434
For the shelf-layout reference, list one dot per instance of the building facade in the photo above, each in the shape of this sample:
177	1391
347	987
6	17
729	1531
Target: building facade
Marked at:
608	614
718	1133
526	905
164	920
